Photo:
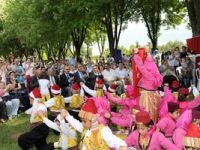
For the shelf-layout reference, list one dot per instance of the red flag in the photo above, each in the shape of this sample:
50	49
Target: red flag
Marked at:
136	73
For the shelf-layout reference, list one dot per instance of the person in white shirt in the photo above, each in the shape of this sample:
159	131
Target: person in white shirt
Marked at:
56	103
44	85
109	75
39	131
68	136
121	71
93	134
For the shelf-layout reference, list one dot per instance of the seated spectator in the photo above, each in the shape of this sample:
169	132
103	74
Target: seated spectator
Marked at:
2	108
12	104
109	75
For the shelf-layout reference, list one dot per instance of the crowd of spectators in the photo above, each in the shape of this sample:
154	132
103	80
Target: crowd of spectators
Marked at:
18	77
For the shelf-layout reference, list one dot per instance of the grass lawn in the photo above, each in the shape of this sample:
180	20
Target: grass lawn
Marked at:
10	131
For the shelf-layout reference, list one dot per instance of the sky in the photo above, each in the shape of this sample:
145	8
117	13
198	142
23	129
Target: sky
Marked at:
138	32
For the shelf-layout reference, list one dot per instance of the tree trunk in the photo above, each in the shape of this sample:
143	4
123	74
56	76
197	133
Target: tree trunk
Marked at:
193	7
60	53
154	44
78	36
153	22
78	50
109	29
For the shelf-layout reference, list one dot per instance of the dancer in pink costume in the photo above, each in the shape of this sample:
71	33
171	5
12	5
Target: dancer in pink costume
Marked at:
185	119
150	81
101	102
146	137
182	125
125	116
168	97
167	124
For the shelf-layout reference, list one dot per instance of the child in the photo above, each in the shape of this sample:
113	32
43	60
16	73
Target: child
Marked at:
182	124
99	88
168	97
101	102
75	101
94	135
175	88
146	137
39	131
67	138
192	137
124	116
55	104
168	123
44	85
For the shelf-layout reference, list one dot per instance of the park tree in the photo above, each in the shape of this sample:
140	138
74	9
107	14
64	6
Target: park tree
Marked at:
100	36
114	16
157	13
37	25
169	46
193	7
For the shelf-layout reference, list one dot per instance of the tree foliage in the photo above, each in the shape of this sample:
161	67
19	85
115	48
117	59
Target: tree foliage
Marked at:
157	13
193	7
56	27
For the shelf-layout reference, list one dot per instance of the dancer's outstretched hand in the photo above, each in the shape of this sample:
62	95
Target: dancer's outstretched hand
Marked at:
41	114
63	113
123	148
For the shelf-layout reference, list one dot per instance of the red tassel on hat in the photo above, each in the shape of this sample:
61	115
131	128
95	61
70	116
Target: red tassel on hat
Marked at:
172	106
183	91
112	88
35	94
99	81
142	117
55	89
175	84
88	109
75	86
